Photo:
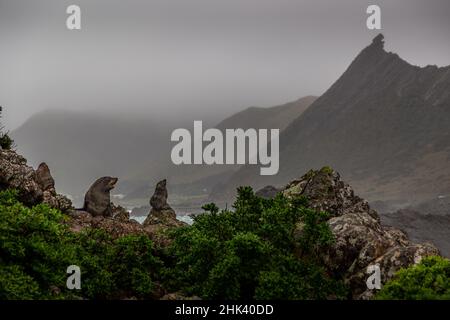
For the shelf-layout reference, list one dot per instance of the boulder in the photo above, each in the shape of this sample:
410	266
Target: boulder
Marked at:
100	213
119	213
16	174
47	184
34	187
268	192
81	220
178	296
44	177
360	239
392	261
327	192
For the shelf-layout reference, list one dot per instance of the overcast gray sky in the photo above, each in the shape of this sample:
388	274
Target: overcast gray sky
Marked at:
197	57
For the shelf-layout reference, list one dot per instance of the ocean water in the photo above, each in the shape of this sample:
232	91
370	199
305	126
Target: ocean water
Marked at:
183	218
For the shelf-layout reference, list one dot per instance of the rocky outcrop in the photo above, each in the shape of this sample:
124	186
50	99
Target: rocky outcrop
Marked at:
423	223
81	220
34	187
119	213
327	192
16	174
360	239
44	177
115	220
116	228
383	124
178	296
267	192
161	212
47	184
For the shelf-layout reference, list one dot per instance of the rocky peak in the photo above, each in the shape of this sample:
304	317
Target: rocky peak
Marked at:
16	174
327	192
267	192
360	239
378	41
44	177
34	187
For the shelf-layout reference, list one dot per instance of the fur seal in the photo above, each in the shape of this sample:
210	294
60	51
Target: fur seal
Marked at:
97	200
44	177
161	212
159	199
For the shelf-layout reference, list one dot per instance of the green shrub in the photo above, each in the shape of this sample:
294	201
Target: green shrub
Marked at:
15	284
6	142
263	249
428	280
36	247
253	252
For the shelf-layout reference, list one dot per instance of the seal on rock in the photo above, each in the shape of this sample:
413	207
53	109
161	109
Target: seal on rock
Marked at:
44	177
47	183
97	200
159	199
161	212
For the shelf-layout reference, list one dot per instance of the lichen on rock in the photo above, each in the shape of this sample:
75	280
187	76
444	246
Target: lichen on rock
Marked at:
360	239
34	187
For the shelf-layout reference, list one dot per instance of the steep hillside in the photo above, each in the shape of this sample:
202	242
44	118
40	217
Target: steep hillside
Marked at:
79	146
195	182
268	118
384	124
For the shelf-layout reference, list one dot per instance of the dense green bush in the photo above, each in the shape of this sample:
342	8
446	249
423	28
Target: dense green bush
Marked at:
6	142
429	280
36	248
263	249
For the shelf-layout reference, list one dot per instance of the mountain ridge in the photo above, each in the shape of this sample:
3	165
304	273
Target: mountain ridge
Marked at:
380	121
133	147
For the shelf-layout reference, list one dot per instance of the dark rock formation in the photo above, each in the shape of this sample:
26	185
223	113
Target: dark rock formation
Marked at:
16	174
360	239
119	213
47	183
161	213
34	187
44	177
327	192
118	227
81	220
428	225
178	296
384	125
97	200
268	192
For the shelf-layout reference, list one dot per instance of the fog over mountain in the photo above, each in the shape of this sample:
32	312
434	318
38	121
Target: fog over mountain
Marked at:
79	146
104	100
199	58
384	124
